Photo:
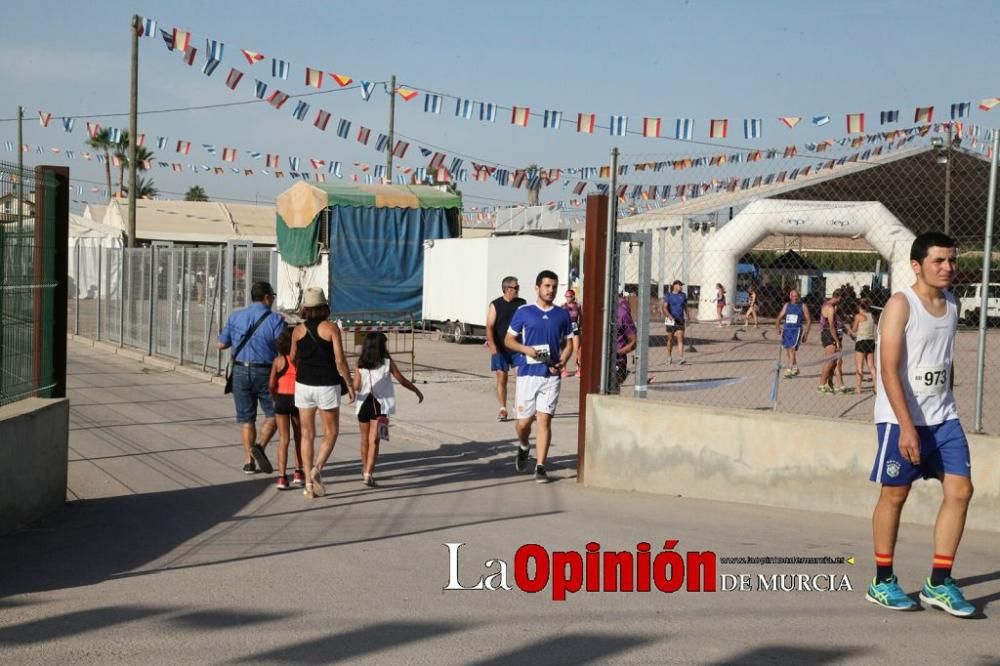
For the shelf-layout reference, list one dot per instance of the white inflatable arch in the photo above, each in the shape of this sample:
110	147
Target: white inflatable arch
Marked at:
870	219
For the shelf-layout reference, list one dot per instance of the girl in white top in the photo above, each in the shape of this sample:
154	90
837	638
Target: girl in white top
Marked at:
376	398
862	329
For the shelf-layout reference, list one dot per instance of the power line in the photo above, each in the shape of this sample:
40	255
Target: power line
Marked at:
192	108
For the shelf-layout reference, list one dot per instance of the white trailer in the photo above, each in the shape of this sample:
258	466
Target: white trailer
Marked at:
462	276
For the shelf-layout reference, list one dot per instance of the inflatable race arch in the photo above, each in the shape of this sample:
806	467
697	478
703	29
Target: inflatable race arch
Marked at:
854	219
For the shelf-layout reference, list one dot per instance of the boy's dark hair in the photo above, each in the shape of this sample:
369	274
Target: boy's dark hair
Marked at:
373	351
284	342
927	240
546	274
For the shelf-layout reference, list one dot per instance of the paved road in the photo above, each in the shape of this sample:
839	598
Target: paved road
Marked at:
166	553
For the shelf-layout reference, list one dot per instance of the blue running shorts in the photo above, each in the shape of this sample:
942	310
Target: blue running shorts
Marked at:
943	450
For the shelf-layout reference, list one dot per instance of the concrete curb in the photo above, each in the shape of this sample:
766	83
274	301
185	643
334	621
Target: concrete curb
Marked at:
154	361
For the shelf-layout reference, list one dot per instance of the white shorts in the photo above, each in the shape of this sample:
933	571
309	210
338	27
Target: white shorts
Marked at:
536	394
321	397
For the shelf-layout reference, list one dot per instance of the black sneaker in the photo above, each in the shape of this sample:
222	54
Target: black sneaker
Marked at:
250	468
540	475
521	459
258	455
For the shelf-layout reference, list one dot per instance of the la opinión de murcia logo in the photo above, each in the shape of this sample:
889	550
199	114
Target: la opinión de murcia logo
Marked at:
643	570
593	570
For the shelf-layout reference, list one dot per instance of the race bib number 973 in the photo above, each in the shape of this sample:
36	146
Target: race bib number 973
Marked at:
929	380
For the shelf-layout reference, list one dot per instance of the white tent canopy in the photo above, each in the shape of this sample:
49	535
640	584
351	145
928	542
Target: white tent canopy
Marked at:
89	245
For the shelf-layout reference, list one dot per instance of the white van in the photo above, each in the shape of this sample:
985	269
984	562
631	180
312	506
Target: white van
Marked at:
969	297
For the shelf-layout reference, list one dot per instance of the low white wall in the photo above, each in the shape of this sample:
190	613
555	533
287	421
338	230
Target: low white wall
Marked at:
762	458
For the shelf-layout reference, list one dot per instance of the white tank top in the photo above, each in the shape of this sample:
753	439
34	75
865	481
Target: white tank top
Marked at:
378	382
925	365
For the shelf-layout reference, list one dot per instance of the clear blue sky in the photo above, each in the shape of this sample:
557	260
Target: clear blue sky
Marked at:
697	59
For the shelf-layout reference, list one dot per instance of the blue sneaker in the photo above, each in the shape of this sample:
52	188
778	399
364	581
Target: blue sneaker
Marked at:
947	597
889	594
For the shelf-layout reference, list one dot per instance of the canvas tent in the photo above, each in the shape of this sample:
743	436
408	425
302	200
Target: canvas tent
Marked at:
89	246
375	235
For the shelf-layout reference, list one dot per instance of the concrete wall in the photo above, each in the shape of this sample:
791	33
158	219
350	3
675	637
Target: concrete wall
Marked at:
34	450
760	458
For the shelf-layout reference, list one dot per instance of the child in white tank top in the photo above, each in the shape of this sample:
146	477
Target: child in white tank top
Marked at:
376	399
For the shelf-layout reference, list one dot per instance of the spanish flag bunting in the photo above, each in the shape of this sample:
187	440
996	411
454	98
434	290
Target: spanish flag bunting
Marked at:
519	116
406	93
341	79
605	172
252	56
651	127
44	118
314	78
855	123
989	103
718	129
228	154
923	114
790	121
585	122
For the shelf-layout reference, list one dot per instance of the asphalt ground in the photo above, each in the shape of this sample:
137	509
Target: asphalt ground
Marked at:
167	553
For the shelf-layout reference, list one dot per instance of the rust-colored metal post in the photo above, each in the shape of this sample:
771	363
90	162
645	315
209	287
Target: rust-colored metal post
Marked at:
592	340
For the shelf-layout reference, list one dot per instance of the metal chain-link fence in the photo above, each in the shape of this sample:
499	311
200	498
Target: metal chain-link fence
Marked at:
840	236
165	301
27	283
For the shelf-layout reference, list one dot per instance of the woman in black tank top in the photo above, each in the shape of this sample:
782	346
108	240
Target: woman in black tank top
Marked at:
318	354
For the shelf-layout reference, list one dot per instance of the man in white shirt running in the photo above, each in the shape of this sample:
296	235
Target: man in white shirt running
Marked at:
919	434
538	334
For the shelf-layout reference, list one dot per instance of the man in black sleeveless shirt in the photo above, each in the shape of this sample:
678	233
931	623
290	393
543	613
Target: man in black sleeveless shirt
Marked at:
501	311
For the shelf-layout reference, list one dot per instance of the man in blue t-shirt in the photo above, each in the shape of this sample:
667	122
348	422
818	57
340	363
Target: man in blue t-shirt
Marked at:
538	335
674	311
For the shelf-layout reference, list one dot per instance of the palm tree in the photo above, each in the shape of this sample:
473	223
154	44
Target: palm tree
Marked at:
102	141
196	193
143	155
146	188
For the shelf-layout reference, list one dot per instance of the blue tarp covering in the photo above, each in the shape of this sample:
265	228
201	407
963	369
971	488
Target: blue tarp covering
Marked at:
377	257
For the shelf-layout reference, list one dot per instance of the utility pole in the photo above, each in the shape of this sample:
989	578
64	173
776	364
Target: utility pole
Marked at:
533	192
610	279
392	129
947	185
133	130
20	168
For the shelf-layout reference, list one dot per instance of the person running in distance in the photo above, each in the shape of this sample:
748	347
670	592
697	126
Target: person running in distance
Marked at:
539	333
674	317
919	433
575	313
863	332
498	315
720	301
752	307
831	336
793	324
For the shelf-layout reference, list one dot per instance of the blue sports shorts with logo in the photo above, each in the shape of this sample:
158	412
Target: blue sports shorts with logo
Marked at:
943	450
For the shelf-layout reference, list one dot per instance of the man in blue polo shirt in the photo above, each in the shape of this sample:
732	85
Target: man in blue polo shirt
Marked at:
252	369
538	335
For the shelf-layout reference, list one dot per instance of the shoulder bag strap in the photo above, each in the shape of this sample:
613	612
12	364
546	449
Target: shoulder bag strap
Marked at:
249	334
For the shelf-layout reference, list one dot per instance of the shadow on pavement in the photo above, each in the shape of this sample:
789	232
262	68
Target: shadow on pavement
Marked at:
353	644
788	654
568	649
89	541
73	624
